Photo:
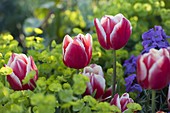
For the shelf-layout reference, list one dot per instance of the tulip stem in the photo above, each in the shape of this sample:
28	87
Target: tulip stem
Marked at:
153	100
114	74
77	71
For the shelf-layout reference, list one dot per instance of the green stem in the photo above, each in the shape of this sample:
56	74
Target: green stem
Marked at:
77	71
147	93
4	77
114	74
153	100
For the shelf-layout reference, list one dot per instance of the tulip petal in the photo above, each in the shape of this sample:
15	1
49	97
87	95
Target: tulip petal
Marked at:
101	34
120	34
22	57
75	55
124	100
88	46
98	84
31	66
87	43
107	94
116	101
11	59
19	68
66	41
141	68
159	69
89	89
14	82
98	70
31	85
87	70
108	25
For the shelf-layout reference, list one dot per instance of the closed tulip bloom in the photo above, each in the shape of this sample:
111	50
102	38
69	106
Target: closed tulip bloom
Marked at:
97	82
77	52
113	31
21	65
121	102
153	69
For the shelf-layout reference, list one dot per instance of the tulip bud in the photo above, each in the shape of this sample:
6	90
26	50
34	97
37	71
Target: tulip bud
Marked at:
113	31
77	52
97	82
121	102
153	69
21	65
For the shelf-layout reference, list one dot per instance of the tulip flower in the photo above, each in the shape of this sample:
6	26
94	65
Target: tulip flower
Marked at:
107	94
96	85
77	52
113	31
153	69
21	65
121	102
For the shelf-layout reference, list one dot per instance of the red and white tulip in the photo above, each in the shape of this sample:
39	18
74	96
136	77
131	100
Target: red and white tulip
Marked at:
21	65
113	31
96	85
153	69
121	102
77	52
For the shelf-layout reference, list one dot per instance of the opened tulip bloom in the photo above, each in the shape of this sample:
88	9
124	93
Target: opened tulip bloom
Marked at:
21	65
113	31
77	52
96	85
121	102
153	69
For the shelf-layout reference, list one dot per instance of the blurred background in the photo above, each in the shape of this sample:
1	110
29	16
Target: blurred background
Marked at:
52	19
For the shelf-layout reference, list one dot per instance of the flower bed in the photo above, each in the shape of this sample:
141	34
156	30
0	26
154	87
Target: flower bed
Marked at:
95	72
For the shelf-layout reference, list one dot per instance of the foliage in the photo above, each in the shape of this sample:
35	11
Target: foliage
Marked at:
38	31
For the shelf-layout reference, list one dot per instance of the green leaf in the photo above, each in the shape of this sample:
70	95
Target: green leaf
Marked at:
53	44
134	106
6	71
78	105
90	100
66	95
106	107
77	30
41	83
128	111
16	108
29	76
15	95
79	85
55	87
86	109
37	99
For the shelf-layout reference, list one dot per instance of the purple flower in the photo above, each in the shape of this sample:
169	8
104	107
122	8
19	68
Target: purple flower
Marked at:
130	65
132	85
154	38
